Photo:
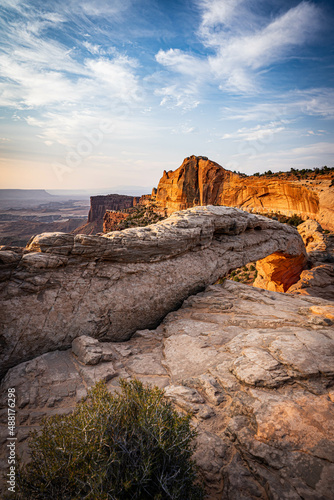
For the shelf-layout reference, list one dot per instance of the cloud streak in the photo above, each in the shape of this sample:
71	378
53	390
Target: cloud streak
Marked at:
240	54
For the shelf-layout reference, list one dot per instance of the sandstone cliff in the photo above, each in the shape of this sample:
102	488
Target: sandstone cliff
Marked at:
253	367
109	286
199	181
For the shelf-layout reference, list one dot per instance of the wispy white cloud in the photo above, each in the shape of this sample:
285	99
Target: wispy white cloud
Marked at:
216	12
117	76
182	62
256	133
313	150
311	102
179	96
94	49
240	54
69	92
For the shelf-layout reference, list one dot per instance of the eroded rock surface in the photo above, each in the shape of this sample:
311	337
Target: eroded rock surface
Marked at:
109	286
255	369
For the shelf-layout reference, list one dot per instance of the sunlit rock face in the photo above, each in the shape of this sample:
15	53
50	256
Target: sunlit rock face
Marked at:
200	181
313	275
255	369
112	219
109	286
278	272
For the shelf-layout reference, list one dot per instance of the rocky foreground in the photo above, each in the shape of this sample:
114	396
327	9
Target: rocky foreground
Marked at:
254	367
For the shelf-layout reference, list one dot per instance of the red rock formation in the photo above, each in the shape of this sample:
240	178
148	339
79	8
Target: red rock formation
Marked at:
112	219
278	272
200	181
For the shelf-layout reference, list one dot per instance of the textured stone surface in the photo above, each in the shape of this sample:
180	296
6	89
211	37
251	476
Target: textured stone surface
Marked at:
109	286
199	181
90	351
319	246
254	368
318	282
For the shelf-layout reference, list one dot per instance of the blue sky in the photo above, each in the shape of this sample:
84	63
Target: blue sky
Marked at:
98	93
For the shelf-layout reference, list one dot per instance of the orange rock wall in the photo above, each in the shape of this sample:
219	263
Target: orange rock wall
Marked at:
278	271
199	181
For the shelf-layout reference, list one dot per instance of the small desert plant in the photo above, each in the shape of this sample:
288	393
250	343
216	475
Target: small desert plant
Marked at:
130	445
252	267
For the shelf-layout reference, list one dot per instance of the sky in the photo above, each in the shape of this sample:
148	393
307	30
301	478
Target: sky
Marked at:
102	93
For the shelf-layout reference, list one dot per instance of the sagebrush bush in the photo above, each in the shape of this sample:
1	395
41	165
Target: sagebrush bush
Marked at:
130	445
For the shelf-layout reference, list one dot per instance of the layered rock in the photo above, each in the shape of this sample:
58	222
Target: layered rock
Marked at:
109	286
254	368
98	207
199	181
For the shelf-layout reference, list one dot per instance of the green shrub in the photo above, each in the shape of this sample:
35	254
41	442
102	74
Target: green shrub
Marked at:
236	278
131	445
252	267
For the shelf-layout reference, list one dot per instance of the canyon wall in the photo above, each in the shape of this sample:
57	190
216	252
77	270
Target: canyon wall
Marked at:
107	287
200	181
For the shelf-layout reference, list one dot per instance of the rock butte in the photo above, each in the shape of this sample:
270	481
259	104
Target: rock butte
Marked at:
109	286
200	181
255	368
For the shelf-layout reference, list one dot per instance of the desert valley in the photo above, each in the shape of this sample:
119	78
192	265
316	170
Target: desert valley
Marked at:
217	288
